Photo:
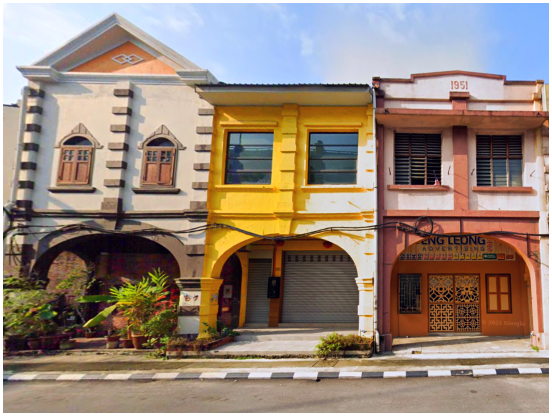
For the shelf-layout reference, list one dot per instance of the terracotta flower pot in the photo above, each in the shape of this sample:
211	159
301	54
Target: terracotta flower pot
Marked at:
50	342
34	343
15	343
113	338
89	334
126	343
138	341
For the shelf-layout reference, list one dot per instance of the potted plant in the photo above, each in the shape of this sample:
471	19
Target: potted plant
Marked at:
89	333
67	344
137	301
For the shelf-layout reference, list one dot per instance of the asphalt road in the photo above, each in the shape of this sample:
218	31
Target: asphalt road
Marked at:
450	394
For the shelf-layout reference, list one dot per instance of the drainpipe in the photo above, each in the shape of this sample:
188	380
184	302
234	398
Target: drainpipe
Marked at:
376	232
18	150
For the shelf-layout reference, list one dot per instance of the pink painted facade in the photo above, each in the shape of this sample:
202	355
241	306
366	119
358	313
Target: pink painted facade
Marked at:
458	107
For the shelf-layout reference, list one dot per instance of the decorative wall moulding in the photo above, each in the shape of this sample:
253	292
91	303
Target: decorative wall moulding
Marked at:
131	59
36	128
204	130
119	128
30	147
33	92
28	166
34	109
123	92
114	183
164	132
117	146
202	148
116	164
26	185
122	111
200	185
72	189
156	190
206	111
80	130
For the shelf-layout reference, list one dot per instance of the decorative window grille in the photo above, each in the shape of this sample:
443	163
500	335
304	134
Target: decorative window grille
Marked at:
417	159
249	158
333	158
410	293
499	161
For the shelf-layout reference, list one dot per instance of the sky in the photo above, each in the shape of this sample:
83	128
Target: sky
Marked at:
303	43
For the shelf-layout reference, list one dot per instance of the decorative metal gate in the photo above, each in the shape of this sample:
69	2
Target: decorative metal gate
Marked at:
454	303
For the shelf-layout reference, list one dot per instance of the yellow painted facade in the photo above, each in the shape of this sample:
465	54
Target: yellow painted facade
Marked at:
289	206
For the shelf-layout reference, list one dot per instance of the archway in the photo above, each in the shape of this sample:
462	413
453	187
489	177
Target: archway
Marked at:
315	281
461	284
94	263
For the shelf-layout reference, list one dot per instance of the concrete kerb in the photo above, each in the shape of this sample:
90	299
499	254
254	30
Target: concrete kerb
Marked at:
290	375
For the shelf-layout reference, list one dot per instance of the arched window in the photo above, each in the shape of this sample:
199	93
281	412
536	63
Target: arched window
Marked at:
75	161
159	161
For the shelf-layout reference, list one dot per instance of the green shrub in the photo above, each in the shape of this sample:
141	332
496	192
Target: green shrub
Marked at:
334	343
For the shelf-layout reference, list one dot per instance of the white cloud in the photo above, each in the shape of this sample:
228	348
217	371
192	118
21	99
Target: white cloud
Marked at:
181	18
397	40
307	45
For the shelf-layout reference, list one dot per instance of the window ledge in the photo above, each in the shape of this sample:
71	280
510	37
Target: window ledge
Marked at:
245	187
83	189
427	188
503	189
154	190
334	188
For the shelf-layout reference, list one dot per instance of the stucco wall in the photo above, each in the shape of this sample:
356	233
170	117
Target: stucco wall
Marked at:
10	130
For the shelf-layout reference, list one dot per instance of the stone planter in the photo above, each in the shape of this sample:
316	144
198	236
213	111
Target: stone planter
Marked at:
112	341
15	344
90	334
34	343
50	342
179	350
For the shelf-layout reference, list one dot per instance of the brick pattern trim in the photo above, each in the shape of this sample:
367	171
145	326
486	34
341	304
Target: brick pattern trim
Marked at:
204	130
33	92
206	111
26	185
34	109
200	185
198	205
30	147
123	92
116	164
202	148
28	166
114	183
112	204
123	111
37	128
117	146
119	128
24	204
201	166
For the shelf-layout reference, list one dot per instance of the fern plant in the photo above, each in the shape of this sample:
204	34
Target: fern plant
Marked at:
137	301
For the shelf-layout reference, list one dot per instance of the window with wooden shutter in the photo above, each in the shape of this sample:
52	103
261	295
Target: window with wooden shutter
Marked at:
75	162
159	162
499	161
417	159
499	299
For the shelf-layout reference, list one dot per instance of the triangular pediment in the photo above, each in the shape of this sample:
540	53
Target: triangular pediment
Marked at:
126	59
94	50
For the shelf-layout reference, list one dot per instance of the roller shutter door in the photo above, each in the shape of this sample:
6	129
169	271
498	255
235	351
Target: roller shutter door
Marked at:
257	304
319	287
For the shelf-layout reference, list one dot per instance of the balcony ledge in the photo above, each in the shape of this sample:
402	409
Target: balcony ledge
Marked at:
504	189
424	188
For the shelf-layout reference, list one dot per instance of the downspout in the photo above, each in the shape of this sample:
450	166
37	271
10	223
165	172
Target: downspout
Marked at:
376	232
17	165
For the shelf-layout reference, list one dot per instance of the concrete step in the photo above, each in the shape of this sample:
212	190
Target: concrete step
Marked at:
289	334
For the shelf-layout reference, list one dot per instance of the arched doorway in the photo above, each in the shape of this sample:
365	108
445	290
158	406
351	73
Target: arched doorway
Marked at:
104	261
460	284
312	281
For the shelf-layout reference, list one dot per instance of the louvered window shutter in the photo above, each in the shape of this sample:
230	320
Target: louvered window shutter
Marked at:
417	159
499	161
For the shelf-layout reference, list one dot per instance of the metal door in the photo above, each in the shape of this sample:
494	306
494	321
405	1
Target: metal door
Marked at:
319	287
257	303
454	303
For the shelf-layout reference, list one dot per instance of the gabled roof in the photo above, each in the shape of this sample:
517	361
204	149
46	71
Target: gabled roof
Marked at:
105	36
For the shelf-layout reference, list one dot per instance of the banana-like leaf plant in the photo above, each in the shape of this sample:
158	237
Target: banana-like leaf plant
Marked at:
137	301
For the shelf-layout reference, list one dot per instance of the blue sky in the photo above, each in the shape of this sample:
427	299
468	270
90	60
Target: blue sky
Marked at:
270	43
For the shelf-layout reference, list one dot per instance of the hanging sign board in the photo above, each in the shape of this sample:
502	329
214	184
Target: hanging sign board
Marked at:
458	247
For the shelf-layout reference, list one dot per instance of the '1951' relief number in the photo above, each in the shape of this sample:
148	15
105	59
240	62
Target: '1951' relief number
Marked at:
458	85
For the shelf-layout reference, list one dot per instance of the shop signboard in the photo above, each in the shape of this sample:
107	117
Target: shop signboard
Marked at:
457	248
